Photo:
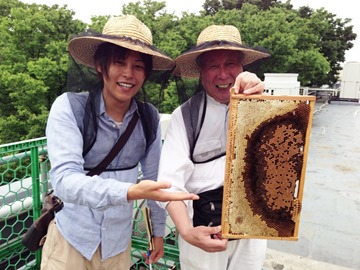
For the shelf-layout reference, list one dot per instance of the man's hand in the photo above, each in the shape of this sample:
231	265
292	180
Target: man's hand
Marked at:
249	84
152	190
203	237
157	252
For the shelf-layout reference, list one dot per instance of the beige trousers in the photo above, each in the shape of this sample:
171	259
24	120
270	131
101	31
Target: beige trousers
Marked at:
58	254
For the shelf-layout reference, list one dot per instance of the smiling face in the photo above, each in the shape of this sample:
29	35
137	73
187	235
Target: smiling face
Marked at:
218	71
123	73
124	79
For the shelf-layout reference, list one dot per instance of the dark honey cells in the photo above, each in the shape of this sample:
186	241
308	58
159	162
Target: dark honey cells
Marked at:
268	138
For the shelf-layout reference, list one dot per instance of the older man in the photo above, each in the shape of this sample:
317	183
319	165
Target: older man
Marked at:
193	154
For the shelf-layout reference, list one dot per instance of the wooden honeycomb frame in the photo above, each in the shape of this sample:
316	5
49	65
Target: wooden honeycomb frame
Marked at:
267	145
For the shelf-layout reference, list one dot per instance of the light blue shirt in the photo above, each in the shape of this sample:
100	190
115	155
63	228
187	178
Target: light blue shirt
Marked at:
96	210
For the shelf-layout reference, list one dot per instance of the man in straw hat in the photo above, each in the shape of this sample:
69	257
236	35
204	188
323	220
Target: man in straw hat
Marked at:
193	154
93	229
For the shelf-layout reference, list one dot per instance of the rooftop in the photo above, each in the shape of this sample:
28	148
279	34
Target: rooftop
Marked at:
329	232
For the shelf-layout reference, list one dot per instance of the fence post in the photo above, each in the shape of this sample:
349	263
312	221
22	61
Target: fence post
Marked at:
35	169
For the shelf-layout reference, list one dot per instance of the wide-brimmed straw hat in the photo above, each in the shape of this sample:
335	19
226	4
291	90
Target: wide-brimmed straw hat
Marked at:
215	37
125	31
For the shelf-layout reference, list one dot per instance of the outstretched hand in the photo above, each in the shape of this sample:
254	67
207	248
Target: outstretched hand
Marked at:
249	84
152	190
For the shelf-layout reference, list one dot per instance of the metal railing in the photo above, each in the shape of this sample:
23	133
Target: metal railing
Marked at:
24	179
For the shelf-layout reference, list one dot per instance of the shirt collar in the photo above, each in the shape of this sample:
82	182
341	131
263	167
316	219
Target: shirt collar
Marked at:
132	109
211	100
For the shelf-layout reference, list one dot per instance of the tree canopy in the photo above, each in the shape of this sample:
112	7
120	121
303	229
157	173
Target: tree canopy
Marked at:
36	67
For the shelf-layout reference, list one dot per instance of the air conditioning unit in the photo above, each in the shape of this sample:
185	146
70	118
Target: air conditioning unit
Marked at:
282	84
350	82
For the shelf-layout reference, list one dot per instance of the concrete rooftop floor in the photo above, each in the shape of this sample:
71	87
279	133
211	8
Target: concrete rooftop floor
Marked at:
329	231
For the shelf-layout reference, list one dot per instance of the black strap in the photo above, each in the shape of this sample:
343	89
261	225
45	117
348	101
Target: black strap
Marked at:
116	149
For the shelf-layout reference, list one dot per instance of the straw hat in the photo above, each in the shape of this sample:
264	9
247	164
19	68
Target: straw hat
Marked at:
215	37
126	31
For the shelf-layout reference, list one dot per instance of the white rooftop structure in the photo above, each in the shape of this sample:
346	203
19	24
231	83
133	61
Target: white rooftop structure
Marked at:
281	84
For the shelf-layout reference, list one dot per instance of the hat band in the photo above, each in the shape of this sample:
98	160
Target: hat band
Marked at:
120	38
214	43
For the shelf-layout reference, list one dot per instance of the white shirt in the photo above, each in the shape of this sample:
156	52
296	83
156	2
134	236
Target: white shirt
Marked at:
175	163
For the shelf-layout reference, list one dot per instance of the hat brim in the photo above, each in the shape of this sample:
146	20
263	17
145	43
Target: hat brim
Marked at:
187	67
83	50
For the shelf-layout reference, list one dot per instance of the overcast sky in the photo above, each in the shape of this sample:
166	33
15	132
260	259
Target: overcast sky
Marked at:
342	9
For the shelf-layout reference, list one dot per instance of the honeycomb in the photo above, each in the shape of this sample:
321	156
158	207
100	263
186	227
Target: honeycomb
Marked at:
267	144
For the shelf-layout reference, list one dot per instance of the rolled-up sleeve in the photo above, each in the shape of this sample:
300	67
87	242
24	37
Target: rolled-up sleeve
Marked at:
175	165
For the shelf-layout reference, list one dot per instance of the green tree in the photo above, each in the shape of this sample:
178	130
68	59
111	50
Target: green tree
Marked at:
288	38
213	6
320	38
335	38
158	90
35	67
33	64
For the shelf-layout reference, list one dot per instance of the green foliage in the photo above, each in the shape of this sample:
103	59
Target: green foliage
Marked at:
35	66
33	61
170	99
289	39
211	7
334	38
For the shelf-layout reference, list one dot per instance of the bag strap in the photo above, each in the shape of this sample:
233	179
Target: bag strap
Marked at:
58	203
116	148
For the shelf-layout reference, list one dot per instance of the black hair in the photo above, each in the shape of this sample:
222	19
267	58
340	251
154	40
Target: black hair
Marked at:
108	53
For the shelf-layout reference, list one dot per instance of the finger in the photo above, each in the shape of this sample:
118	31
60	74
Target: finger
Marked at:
252	89
154	258
240	81
146	257
151	258
179	196
215	230
236	86
163	184
216	236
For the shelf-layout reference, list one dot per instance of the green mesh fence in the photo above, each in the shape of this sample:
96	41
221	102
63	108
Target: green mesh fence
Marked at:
24	175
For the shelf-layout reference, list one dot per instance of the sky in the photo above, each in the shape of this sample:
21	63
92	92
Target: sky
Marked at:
342	9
